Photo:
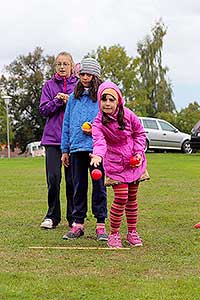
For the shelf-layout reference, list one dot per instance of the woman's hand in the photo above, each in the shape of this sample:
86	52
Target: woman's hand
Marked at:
95	160
65	159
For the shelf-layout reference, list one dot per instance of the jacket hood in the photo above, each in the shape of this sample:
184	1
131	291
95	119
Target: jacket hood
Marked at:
110	85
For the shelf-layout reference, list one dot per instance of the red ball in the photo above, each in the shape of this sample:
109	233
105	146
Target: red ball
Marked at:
134	161
96	174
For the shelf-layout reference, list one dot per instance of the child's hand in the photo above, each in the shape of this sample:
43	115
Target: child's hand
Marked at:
63	97
95	160
136	160
139	157
65	159
87	130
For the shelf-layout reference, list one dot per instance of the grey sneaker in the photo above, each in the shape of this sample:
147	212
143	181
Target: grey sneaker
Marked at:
101	234
74	233
47	224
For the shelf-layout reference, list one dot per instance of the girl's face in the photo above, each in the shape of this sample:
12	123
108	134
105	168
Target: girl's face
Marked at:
108	104
85	79
64	66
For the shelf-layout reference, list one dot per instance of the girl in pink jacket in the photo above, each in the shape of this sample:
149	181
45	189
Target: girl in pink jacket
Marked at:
119	141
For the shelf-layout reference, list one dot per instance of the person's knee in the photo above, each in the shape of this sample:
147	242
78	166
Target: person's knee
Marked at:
53	178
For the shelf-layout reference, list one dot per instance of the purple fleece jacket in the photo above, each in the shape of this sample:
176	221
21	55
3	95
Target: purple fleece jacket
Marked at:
53	109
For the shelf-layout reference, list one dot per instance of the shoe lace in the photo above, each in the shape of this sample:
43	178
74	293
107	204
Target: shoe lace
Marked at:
135	235
48	220
115	236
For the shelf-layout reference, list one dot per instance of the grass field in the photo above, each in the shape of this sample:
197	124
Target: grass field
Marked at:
167	267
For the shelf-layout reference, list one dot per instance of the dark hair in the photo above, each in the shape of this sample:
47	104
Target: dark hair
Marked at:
120	116
93	88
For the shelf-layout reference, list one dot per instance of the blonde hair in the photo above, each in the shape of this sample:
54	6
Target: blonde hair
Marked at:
64	53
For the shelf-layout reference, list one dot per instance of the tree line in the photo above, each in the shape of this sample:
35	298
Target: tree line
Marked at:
142	79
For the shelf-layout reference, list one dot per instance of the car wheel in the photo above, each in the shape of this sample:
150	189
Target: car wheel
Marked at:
186	147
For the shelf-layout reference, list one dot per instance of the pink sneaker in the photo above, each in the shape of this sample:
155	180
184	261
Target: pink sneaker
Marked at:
197	225
74	233
114	240
133	239
101	234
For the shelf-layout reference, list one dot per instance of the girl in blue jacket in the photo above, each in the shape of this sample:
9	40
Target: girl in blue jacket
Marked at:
77	143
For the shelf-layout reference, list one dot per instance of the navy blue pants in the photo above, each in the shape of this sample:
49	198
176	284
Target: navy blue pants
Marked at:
53	176
80	162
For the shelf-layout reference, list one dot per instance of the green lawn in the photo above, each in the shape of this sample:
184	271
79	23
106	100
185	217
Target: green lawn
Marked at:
167	267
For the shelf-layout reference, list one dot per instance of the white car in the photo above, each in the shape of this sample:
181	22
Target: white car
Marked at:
164	136
35	149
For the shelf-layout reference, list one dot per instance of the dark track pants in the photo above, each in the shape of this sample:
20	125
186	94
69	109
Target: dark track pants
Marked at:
80	162
53	176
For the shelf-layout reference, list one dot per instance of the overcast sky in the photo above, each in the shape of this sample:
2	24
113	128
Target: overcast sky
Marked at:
80	26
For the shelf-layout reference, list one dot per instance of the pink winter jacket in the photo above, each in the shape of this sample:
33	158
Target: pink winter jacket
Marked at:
117	146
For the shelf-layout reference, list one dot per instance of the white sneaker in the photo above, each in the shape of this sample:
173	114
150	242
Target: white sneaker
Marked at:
47	223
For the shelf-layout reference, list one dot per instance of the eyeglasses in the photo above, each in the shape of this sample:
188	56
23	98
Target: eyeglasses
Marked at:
63	64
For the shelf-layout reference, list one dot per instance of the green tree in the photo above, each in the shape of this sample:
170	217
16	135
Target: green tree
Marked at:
185	119
23	83
168	116
118	67
154	90
188	117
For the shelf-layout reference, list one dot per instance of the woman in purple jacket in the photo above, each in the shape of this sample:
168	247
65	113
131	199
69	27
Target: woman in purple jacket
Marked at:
119	141
53	101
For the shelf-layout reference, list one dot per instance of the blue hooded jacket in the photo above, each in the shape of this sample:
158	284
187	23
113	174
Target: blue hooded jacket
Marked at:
77	112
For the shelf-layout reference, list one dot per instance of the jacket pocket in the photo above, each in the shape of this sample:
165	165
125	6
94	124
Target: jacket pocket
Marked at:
114	162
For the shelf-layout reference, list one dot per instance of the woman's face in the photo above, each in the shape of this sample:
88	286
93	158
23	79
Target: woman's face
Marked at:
63	66
85	79
108	104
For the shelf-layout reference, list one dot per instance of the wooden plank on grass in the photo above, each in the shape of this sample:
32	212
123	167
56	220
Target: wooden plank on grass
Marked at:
77	248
